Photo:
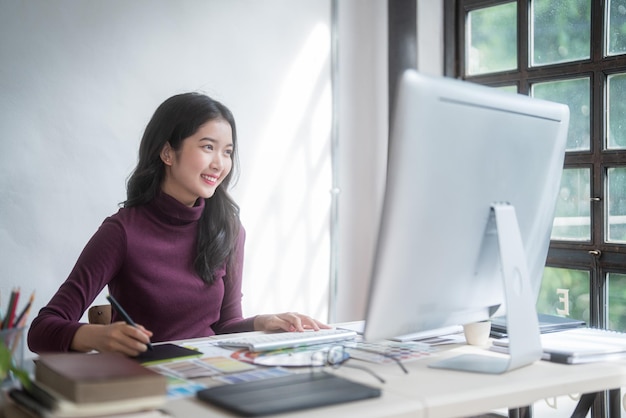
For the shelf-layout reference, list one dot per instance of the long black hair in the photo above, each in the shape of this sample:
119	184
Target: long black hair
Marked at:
175	119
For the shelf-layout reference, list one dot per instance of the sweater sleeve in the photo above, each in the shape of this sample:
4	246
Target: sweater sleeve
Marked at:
54	327
231	317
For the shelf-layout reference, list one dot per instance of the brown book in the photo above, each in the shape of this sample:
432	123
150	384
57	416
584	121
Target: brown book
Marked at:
99	377
16	411
43	402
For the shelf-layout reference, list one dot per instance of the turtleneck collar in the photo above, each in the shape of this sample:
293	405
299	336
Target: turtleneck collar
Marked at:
176	212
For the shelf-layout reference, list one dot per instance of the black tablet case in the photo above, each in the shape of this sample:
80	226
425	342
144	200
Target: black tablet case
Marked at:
286	393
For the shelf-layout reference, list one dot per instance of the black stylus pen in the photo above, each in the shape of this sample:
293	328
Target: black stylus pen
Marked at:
122	312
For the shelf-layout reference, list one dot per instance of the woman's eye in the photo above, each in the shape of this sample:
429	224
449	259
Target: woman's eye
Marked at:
208	147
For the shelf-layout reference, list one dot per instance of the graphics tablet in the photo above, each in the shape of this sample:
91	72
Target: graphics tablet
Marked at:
286	393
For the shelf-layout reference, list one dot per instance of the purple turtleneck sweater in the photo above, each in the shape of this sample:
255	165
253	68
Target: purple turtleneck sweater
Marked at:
145	255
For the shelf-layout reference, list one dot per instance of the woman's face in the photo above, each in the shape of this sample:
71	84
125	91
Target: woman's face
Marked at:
201	163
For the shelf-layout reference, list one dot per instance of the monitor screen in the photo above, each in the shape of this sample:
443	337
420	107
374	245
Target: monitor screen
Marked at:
456	150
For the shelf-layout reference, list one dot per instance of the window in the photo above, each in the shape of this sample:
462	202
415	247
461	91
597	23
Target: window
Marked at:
572	52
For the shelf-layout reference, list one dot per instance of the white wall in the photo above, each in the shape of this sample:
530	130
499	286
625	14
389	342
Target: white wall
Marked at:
362	84
79	81
430	36
363	127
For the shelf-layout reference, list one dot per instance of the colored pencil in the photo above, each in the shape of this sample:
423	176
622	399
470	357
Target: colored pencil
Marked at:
10	315
20	321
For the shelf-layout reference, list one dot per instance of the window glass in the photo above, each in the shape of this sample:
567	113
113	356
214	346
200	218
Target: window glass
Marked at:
572	218
561	31
616	28
575	94
616	208
575	55
564	292
617	301
616	112
491	39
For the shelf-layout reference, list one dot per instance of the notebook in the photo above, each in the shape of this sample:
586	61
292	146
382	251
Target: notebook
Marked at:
547	323
578	345
286	393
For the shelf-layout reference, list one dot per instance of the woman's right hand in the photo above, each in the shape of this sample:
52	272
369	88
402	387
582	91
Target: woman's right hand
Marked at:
118	337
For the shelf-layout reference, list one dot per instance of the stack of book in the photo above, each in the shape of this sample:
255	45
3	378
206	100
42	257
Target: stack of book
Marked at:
72	385
577	345
547	324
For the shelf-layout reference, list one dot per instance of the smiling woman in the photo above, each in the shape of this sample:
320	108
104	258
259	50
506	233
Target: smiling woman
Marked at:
200	164
78	87
173	255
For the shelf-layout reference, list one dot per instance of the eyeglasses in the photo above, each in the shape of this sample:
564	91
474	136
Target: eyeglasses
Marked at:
380	353
337	355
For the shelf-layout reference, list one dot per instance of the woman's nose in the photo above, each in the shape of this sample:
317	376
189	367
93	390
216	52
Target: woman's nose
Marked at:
216	162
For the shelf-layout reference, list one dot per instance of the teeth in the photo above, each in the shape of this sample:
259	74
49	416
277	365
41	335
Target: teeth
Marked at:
210	178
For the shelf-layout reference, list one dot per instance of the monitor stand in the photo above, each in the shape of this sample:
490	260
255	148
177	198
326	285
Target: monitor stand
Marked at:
502	231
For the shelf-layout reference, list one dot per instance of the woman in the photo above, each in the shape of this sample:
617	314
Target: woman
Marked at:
172	256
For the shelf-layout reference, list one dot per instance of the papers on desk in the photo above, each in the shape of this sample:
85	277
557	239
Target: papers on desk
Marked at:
385	351
185	375
203	367
438	334
379	352
579	345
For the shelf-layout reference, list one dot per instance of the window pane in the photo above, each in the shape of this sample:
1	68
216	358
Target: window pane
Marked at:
616	113
617	301
575	94
564	292
491	39
616	191
561	31
616	30
571	220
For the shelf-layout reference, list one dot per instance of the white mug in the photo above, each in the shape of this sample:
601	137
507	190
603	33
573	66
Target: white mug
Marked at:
477	333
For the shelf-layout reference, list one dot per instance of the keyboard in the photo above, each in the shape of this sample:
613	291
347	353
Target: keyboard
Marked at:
280	340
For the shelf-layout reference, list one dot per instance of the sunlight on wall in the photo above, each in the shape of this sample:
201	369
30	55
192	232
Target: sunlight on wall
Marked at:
286	204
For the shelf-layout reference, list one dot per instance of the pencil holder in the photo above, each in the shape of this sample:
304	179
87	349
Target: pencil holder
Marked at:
13	340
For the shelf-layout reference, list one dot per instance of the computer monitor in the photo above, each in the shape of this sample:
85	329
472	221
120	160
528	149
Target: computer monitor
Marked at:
472	181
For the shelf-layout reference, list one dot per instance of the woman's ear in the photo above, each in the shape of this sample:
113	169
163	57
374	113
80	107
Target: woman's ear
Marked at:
166	154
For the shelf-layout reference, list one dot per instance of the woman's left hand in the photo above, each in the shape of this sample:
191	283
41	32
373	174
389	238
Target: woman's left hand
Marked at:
288	321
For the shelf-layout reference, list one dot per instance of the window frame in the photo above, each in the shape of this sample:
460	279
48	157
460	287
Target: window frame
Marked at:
611	257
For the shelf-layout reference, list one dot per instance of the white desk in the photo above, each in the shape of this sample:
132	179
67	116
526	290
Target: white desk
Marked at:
435	393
